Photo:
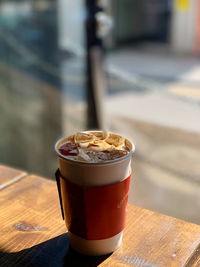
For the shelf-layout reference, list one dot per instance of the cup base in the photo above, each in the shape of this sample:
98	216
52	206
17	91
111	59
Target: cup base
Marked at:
95	247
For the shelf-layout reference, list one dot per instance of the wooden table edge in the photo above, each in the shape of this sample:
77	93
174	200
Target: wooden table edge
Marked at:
192	261
17	177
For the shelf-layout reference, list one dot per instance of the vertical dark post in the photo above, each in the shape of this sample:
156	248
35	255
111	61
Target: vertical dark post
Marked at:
92	41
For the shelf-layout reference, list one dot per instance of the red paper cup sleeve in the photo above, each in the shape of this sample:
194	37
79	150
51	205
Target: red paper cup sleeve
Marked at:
95	213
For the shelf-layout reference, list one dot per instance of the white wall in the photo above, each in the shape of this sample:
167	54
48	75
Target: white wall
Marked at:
183	26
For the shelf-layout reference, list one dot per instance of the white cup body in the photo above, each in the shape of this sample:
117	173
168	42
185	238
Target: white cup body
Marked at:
89	175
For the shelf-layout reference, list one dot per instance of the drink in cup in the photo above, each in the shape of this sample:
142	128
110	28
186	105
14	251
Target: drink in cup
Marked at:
93	182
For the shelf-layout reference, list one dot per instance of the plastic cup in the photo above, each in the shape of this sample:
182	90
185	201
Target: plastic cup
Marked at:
94	197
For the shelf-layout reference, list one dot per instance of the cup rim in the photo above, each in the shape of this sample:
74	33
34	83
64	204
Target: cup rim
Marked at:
93	163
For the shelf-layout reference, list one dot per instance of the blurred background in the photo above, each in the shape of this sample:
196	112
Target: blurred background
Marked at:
130	66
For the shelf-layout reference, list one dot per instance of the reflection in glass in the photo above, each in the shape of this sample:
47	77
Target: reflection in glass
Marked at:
42	80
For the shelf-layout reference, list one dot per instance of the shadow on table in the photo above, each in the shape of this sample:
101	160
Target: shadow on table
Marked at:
54	252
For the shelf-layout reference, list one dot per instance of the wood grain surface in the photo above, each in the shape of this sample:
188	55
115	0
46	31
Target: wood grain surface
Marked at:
9	175
34	234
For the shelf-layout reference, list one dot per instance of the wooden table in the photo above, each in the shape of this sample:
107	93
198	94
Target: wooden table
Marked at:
34	234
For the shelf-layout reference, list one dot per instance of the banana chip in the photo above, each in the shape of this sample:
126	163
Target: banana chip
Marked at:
98	135
83	137
82	156
114	139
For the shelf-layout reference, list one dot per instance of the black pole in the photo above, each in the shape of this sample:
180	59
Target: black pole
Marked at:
92	41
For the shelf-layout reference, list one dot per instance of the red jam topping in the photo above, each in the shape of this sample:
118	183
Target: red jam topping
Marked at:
126	148
92	145
68	149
